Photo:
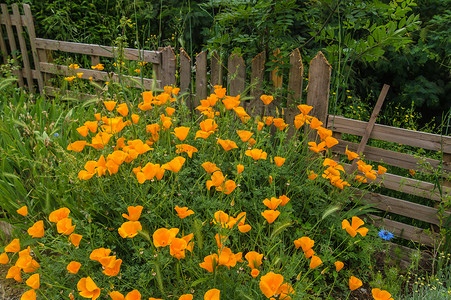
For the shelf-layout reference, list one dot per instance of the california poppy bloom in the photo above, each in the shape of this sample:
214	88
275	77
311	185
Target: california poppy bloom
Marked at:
379	294
15	273
183	212
23	211
317	147
129	229
239	168
339	265
109	105
266	99
212	294
181	132
279	161
381	170
65	226
33	281
111	265
185	148
134	212
312	175
37	230
163	237
280	123
210	262
177	248
4	258
227	144
254	273
305	109
273	203
209	167
354	283
122	109
244	135
353	228
315	123
220	91
270	283
254	259
13	247
315	262
73	267
29	295
83	130
87	288
99	253
351	155
231	102
270	215
175	164
186	297
77	146
256	154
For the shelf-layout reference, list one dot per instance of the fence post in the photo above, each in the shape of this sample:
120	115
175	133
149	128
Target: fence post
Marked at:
12	40
32	36
294	89
256	106
318	87
185	76
236	75
216	69
201	78
167	67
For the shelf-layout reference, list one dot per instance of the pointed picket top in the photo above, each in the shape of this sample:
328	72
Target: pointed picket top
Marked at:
319	87
216	69
256	106
168	66
295	82
201	77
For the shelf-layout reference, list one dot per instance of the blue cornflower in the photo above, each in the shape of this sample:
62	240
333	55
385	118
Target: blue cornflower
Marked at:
385	235
56	134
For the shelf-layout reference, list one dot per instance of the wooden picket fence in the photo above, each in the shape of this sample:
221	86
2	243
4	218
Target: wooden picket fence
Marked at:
38	67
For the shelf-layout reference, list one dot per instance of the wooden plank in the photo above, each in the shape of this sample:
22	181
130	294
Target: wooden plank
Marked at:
392	134
276	78
236	74
201	78
31	33
256	107
405	231
216	69
393	158
132	81
3	46
13	19
23	49
295	82
402	207
168	67
99	50
318	87
370	125
11	39
409	186
185	71
402	255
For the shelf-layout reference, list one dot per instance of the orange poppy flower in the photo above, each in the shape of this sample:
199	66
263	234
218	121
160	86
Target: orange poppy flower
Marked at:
229	187
14	272
228	258
220	91
266	99
37	230
299	120
73	267
4	258
227	144
210	167
186	297
181	132
231	102
170	111
33	281
273	203
212	294
254	273
29	295
210	262
312	175
75	239
305	109
381	170
284	200
110	104
23	211
280	123
99	253
134	212
217	178
379	294
315	262
13	247
87	288
177	248
175	164
83	130
185	148
260	126
353	228
163	237
317	147
270	179
252	141
256	154
111	265
77	146
270	283
270	215
183	212
239	168
254	259
208	125
339	265
351	155
98	116
315	123
65	226
244	135
129	229
115	295
354	283
135	118
279	161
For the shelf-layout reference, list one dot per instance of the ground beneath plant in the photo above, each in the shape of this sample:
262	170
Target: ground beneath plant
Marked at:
8	287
